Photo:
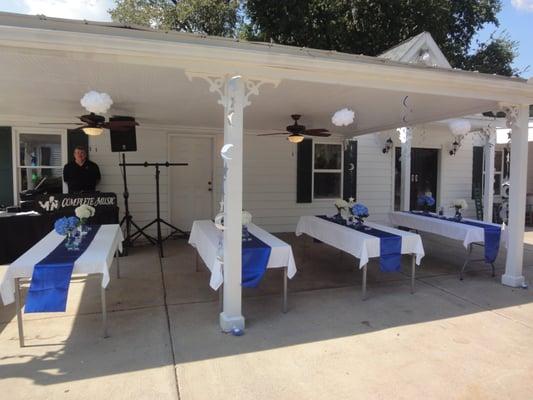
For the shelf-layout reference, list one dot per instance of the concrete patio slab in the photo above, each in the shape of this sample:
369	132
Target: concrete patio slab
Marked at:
66	357
452	339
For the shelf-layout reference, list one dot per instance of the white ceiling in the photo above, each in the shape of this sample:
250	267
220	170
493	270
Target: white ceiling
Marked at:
49	87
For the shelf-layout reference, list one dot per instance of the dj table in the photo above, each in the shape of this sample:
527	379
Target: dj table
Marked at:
20	231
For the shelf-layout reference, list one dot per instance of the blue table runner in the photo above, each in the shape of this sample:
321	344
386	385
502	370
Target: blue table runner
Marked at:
390	245
492	234
51	277
255	256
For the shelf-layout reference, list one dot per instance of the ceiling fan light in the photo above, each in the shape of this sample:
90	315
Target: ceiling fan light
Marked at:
295	138
92	130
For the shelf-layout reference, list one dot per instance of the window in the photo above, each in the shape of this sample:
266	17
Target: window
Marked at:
327	170
40	161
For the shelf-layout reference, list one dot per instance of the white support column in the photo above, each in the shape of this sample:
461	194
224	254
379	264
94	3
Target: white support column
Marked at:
231	316
234	94
488	184
517	120
406	137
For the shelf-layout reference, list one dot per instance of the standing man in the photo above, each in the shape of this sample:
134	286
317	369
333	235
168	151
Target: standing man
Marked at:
81	175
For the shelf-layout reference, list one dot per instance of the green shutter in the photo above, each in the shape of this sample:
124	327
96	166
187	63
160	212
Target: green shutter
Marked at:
6	167
304	171
477	172
350	170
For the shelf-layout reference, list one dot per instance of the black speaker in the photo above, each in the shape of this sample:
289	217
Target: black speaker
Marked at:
124	139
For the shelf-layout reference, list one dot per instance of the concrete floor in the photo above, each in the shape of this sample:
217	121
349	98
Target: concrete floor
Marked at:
452	339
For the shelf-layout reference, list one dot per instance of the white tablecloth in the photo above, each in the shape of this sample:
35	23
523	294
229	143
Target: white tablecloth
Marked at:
97	259
361	245
453	230
205	238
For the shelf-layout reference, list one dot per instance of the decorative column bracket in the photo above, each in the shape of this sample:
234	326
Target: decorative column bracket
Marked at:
217	85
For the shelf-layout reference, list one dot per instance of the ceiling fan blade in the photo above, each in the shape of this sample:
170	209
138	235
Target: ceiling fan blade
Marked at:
320	134
272	134
60	123
312	131
122	124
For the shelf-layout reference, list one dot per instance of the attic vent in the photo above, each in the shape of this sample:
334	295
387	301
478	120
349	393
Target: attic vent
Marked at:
424	57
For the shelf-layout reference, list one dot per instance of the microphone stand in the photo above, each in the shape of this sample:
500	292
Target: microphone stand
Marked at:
128	219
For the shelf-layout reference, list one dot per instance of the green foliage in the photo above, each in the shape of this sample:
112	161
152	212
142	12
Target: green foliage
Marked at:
354	26
210	17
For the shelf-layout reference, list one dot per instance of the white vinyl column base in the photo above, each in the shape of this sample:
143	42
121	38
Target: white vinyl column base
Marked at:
512	281
227	323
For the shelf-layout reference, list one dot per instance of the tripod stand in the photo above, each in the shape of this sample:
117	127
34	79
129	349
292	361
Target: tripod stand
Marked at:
158	220
128	219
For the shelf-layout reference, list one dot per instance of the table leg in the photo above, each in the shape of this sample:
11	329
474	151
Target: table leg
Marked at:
364	282
466	261
18	305
104	312
221	298
413	268
118	264
284	304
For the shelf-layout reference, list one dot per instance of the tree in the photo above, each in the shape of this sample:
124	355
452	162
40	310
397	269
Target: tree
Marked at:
210	17
354	26
372	26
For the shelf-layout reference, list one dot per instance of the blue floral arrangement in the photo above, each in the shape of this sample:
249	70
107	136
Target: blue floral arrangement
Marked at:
425	201
65	225
360	210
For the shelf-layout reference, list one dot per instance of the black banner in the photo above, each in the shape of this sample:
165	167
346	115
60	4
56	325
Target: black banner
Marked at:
64	202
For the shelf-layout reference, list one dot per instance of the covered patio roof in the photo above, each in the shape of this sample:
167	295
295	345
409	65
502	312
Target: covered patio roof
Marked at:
48	64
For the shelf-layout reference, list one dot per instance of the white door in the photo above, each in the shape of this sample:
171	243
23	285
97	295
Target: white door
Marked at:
191	186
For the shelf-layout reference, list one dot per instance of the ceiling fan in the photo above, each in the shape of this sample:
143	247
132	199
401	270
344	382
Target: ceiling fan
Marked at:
297	132
93	124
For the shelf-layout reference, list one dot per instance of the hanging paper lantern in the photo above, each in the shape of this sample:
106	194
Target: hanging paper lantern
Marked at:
459	127
343	117
96	102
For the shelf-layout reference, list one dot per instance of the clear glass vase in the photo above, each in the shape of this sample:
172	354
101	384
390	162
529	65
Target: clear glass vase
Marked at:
73	240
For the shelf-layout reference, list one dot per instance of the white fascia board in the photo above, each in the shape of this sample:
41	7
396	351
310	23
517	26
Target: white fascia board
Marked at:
216	59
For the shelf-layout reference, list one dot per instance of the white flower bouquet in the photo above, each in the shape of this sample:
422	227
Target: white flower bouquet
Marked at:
341	204
84	212
459	205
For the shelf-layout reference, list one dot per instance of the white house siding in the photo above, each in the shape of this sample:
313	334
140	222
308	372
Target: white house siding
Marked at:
270	175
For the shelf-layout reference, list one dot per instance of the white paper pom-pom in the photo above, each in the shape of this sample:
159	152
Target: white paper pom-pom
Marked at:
459	127
96	102
343	117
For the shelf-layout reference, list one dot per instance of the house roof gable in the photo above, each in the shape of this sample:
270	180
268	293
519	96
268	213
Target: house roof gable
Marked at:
420	49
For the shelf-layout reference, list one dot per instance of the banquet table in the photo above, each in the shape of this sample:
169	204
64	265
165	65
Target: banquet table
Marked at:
469	234
96	259
359	244
206	238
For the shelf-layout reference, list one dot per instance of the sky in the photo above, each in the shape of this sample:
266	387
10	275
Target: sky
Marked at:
516	19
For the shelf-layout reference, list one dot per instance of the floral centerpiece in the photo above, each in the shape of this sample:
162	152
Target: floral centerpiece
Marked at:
246	220
426	201
84	212
342	206
67	226
359	212
459	205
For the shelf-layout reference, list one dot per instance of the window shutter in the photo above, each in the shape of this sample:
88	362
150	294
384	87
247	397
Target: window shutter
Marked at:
350	170
6	167
304	171
477	172
76	138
